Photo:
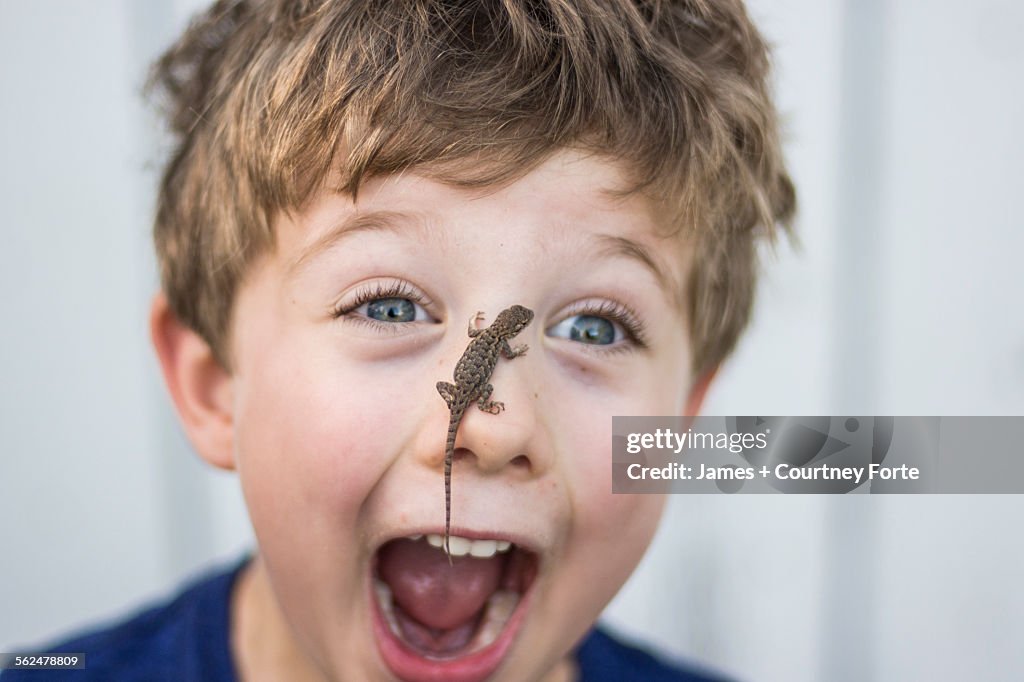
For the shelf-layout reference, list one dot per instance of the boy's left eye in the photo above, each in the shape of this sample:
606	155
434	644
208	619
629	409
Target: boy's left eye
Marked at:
589	329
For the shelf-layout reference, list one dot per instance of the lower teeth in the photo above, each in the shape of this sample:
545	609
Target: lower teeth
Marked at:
500	606
498	610
387	605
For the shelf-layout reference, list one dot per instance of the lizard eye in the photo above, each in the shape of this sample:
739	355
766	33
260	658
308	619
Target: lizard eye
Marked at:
589	329
392	310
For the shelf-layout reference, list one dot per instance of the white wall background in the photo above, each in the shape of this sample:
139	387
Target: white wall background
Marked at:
904	138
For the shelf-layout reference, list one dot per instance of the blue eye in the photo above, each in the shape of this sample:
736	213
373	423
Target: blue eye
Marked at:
391	310
589	329
390	306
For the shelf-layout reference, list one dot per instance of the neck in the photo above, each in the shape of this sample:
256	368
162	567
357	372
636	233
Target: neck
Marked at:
262	644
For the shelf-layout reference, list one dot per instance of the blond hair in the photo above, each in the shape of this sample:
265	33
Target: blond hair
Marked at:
270	98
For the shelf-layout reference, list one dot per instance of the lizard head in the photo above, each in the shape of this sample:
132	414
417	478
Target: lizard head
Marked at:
514	318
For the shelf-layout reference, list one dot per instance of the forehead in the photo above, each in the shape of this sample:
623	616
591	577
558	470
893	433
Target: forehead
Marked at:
573	201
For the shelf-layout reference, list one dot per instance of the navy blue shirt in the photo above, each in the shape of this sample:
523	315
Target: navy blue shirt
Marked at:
187	638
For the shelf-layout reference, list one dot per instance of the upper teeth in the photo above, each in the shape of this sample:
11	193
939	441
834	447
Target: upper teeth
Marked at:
459	546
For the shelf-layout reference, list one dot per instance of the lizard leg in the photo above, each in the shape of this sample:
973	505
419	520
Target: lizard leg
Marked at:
473	322
487	405
512	351
447	392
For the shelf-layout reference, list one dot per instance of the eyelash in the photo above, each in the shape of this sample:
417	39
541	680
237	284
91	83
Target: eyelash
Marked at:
372	292
632	327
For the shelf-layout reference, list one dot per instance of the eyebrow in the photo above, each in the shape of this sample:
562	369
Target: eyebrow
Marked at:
355	223
621	246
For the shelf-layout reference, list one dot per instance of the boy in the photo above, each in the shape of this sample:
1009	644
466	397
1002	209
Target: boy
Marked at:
355	181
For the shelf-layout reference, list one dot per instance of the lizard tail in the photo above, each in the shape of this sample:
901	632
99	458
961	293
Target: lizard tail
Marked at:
449	454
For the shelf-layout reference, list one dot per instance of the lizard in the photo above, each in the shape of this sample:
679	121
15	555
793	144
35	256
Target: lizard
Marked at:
472	384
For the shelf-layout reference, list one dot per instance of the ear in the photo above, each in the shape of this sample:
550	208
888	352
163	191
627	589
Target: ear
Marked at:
695	399
200	388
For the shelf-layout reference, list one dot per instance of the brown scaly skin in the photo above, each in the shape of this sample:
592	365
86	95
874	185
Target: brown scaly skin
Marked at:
472	376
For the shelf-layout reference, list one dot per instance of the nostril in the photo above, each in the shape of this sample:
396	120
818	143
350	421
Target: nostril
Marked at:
522	461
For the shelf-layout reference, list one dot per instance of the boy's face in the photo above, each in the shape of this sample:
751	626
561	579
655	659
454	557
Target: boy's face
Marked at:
339	337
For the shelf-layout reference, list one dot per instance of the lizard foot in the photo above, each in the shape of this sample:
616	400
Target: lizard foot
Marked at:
491	406
474	324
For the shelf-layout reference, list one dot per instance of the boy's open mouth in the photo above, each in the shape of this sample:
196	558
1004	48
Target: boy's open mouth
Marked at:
448	620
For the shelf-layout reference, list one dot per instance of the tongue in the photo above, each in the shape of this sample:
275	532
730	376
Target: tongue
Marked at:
438	595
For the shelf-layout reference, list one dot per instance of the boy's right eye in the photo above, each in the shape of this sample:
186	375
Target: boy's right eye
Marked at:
388	304
391	310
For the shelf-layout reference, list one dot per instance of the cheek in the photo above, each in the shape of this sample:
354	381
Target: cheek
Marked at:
586	462
582	422
597	513
609	532
313	438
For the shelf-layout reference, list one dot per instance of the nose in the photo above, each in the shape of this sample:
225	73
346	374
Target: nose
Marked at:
511	441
